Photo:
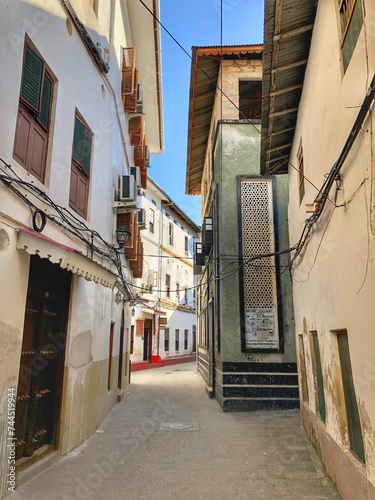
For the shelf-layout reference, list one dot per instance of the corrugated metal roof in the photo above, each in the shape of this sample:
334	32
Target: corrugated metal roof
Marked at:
204	73
287	36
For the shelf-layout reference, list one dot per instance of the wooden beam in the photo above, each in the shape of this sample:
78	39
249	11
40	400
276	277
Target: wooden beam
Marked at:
204	96
272	134
290	66
279	147
285	90
295	32
284	112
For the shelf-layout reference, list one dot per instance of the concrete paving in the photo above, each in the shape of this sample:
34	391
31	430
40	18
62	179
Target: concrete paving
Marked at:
167	440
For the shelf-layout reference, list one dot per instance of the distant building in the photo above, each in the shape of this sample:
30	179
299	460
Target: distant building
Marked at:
69	107
163	328
246	349
318	122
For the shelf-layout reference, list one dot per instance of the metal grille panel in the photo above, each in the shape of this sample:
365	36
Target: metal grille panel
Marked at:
260	293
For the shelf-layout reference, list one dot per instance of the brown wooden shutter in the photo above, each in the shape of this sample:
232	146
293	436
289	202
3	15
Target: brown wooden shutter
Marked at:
139	327
128	70
136	130
130	100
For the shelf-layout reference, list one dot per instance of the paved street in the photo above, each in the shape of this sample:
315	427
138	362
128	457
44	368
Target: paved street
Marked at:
141	452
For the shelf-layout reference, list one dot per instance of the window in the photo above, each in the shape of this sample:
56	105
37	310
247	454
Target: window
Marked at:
132	340
94	5
186	245
351	20
354	423
81	165
301	175
302	364
154	202
110	356
168	285
171	234
177	340
250	99
319	378
166	340
34	115
186	296
186	340
178	291
151	220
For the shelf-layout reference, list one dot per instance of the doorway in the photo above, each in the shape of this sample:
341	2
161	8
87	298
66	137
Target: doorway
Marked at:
42	357
147	340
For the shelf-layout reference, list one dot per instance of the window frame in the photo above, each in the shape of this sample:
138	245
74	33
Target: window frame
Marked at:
168	285
170	233
166	340
80	167
301	174
29	112
151	223
344	27
177	339
186	245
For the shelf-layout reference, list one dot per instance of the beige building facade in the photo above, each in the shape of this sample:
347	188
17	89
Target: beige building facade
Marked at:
318	125
66	144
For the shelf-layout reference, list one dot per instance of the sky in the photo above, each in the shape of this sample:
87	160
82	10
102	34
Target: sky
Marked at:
193	22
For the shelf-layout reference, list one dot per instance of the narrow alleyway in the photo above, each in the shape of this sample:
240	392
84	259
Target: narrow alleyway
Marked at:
141	452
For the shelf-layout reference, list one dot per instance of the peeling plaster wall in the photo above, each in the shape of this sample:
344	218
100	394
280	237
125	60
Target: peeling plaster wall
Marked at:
334	281
86	399
14	269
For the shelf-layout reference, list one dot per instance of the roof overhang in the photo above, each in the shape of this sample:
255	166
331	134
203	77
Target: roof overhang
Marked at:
203	80
288	29
66	257
146	38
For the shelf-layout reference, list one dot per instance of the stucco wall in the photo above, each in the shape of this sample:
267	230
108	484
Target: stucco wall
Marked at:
333	283
237	153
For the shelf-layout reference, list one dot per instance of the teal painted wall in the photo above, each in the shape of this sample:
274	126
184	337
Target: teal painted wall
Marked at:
237	152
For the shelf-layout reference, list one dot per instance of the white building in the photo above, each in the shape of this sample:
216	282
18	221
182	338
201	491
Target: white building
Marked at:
69	71
164	321
318	122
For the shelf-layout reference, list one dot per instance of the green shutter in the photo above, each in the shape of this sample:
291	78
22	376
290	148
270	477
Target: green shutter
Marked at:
46	98
86	163
319	379
79	137
32	78
354	423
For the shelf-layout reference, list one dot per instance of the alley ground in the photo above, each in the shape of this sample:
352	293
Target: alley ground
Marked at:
142	452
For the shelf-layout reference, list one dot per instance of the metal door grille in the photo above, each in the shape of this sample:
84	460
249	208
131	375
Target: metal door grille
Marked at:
260	293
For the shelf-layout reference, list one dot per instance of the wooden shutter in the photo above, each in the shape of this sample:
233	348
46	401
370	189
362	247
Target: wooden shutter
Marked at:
130	100
32	78
45	104
87	159
139	324
78	141
136	130
128	70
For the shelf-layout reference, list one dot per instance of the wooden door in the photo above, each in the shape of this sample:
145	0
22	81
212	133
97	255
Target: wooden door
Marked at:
42	356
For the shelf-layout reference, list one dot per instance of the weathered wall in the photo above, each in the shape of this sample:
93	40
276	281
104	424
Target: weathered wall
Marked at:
333	283
237	153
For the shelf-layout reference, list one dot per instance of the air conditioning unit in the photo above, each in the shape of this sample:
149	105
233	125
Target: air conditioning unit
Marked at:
142	218
139	98
128	189
147	157
136	173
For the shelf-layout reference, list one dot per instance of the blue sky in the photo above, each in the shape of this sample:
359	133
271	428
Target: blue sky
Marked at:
195	22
